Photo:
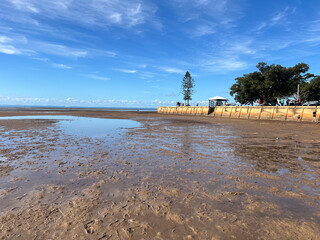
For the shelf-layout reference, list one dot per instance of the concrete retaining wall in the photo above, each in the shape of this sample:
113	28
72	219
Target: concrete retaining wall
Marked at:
184	110
284	113
289	113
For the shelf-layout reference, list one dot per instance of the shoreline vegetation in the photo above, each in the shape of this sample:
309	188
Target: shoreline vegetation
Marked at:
274	82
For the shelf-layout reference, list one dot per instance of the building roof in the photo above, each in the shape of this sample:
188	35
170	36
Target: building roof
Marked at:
218	98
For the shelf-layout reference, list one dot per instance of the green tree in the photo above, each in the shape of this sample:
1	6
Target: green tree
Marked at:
310	91
187	88
247	88
270	82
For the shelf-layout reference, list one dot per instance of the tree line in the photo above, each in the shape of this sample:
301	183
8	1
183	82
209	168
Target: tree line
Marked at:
275	81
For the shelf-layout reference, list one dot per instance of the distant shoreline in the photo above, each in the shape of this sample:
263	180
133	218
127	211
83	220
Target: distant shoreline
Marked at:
59	108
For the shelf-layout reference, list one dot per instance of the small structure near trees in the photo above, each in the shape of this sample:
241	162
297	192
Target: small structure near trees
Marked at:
217	101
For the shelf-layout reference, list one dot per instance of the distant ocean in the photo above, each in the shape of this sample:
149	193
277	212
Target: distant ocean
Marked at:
48	108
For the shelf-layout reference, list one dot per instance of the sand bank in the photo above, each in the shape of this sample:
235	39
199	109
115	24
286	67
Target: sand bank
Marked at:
171	177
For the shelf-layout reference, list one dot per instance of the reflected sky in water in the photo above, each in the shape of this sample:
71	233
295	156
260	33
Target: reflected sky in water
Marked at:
84	126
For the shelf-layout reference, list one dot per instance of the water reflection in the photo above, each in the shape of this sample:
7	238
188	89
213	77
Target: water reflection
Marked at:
84	126
186	140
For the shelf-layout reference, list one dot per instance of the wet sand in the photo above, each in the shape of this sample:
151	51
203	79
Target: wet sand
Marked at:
172	177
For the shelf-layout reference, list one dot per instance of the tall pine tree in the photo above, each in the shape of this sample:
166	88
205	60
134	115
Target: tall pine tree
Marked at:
187	88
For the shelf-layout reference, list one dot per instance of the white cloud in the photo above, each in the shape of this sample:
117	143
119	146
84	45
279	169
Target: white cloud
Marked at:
282	17
19	44
142	65
203	30
116	17
221	12
100	53
243	47
42	59
224	65
124	13
172	70
314	26
58	49
261	26
146	75
97	77
126	70
8	45
59	65
24	5
171	94
9	49
5	39
279	16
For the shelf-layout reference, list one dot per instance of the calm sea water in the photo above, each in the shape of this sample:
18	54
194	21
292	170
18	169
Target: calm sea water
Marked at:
44	108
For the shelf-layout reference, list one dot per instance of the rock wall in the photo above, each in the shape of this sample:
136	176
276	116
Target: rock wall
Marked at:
184	110
285	113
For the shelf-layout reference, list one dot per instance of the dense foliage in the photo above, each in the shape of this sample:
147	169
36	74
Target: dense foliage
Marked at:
187	88
311	90
275	81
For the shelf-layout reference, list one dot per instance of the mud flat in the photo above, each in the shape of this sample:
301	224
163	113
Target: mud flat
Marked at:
152	176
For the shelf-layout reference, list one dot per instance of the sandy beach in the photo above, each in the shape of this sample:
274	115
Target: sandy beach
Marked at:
156	177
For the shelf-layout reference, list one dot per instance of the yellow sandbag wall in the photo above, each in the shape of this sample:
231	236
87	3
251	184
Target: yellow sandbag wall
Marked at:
289	113
184	110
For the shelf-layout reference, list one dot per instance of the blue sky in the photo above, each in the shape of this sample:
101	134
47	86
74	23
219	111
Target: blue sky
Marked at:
134	53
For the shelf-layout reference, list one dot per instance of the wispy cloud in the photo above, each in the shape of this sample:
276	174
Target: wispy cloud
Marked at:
124	13
24	6
19	44
146	75
125	70
9	49
172	70
58	50
96	77
91	52
282	17
236	48
42	59
279	16
7	46
314	26
261	26
224	65
203	30
171	94
222	12
5	39
59	65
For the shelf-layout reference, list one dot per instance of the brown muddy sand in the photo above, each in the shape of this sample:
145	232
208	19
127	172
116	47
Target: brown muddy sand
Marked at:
170	177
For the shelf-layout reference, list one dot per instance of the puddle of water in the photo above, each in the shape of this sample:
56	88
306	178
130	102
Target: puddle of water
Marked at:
84	126
47	117
278	172
95	127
